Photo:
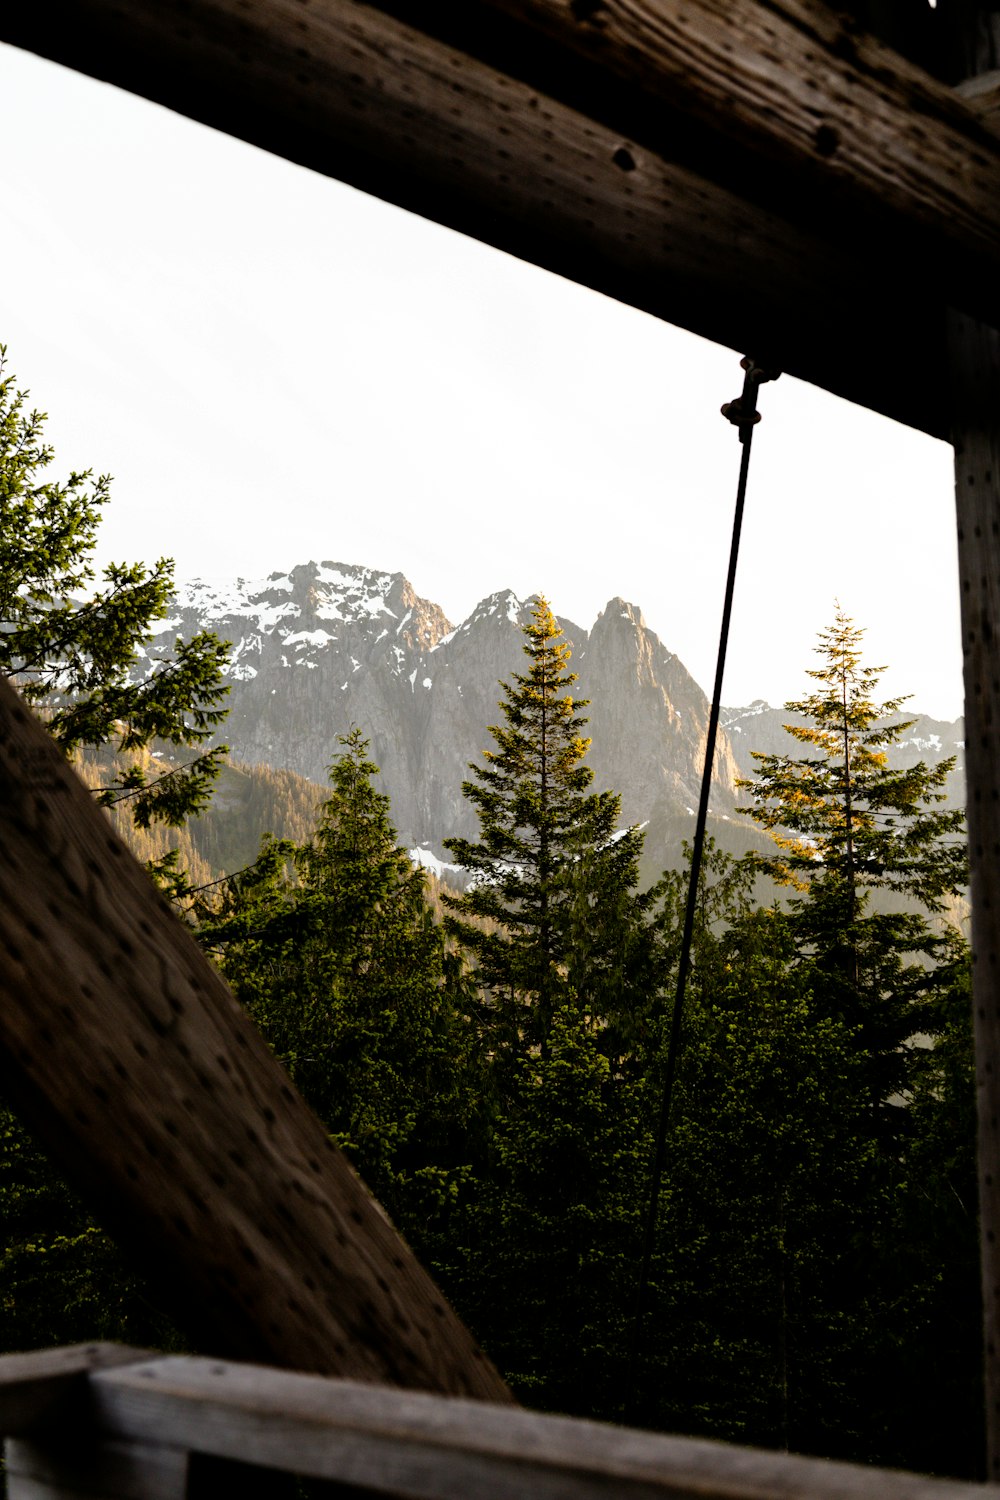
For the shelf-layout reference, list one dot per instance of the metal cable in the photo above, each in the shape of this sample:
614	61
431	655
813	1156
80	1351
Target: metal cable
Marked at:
743	414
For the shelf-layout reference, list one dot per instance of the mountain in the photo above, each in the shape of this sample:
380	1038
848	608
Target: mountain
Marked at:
329	645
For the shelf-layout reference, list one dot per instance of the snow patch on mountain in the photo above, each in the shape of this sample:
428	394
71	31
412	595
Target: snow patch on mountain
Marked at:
425	859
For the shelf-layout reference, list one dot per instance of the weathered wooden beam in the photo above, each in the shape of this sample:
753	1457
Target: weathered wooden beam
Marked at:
421	1446
975	371
974	379
46	1392
762	174
36	1387
982	95
128	1054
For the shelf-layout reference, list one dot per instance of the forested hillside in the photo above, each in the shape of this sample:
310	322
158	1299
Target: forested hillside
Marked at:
248	802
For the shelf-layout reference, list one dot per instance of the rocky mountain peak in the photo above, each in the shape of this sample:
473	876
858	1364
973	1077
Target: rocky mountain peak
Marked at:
327	645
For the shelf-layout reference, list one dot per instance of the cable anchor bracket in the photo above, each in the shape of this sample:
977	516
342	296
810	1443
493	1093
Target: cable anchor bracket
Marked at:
743	411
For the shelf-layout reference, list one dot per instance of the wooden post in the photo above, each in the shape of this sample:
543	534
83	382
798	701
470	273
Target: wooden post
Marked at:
128	1054
975	366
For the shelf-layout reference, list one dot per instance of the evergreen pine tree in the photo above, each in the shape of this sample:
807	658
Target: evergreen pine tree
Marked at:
333	949
854	821
870	853
551	878
885	1304
69	648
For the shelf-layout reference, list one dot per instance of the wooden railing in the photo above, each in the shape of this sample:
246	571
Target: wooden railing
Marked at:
101	1420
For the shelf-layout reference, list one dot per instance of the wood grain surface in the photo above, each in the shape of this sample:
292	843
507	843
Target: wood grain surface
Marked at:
975	367
33	1386
762	173
407	1444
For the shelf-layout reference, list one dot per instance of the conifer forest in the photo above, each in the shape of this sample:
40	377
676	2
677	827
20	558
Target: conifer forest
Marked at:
492	1059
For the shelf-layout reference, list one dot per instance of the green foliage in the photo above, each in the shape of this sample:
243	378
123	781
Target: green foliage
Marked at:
847	827
550	1224
551	907
814	1277
563	956
870	1165
62	1279
69	647
334	951
851	818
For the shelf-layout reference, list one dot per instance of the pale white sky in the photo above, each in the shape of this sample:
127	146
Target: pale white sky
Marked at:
275	368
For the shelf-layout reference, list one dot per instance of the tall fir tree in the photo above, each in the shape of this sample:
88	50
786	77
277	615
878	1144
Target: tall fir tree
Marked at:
69	647
870	853
333	948
552	875
559	940
885	1307
839	811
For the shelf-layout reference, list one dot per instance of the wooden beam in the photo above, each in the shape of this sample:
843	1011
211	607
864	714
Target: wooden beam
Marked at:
132	1060
35	1387
761	173
982	95
420	1446
975	370
974	380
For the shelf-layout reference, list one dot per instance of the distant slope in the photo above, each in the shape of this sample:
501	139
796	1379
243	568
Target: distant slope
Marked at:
249	801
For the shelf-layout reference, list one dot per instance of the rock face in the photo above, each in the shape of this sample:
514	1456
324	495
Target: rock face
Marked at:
329	645
648	717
